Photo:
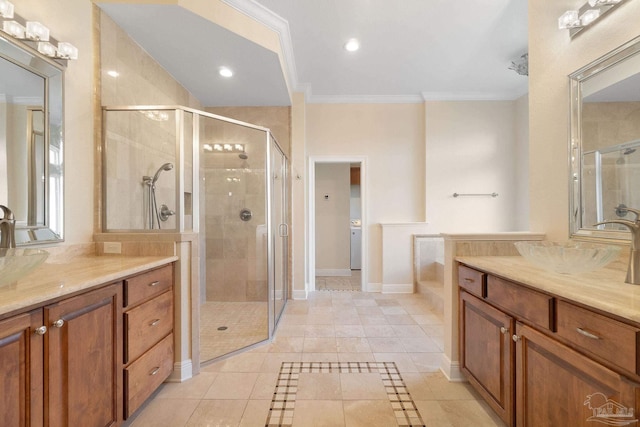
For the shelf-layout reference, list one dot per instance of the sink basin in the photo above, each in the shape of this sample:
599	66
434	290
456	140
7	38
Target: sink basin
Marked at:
567	257
17	263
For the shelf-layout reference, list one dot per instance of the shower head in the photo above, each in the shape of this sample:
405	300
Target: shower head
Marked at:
629	151
243	156
165	167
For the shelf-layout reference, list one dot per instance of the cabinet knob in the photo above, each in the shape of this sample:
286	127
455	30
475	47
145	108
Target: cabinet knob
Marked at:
156	283
154	371
504	330
515	338
154	322
41	330
58	323
468	280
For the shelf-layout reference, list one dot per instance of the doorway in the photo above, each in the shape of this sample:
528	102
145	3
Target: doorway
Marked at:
337	224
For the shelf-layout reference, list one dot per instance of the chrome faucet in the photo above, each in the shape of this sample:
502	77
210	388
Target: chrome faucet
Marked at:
7	229
633	272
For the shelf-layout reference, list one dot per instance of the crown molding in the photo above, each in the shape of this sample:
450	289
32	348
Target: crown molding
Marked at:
473	96
364	99
280	26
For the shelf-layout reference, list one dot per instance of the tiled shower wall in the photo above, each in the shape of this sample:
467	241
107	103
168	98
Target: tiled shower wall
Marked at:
236	250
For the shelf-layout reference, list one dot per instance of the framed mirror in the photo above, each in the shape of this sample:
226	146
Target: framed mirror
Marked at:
605	143
31	142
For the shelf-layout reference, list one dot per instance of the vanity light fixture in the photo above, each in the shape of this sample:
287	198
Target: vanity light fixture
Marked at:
14	29
217	147
6	9
352	45
113	73
227	148
207	147
37	32
577	20
34	33
225	72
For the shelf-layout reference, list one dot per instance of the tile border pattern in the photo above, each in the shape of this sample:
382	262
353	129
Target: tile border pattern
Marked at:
284	395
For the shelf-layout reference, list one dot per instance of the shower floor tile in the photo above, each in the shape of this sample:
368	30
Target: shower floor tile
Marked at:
245	322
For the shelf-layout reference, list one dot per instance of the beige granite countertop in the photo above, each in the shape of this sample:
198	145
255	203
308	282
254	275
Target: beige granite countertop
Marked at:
55	279
603	289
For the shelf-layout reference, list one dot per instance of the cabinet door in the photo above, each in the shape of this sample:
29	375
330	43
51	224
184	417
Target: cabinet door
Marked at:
556	386
84	359
486	353
21	368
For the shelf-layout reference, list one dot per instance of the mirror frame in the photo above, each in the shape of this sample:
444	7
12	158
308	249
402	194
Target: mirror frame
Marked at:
576	228
52	71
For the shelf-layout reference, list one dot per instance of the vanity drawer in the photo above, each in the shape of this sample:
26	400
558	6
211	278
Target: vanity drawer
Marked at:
143	286
147	324
473	281
146	374
607	338
526	304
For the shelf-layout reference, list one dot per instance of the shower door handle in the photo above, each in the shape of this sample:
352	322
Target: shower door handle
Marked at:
283	230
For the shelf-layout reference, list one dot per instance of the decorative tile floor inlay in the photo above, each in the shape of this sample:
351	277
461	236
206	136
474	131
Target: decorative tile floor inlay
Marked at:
284	395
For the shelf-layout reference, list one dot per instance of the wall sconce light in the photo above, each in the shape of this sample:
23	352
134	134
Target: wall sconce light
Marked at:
34	34
6	9
521	65
227	148
577	20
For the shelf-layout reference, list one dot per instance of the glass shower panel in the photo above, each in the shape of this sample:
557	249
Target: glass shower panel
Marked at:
233	216
280	229
139	174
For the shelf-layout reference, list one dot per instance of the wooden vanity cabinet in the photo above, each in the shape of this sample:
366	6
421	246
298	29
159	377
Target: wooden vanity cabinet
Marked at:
82	348
148	335
543	371
66	363
22	370
60	364
486	353
558	386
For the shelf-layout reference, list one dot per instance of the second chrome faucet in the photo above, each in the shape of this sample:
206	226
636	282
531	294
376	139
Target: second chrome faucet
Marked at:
633	272
7	228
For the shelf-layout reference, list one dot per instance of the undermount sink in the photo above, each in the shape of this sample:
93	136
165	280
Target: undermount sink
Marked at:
17	263
567	257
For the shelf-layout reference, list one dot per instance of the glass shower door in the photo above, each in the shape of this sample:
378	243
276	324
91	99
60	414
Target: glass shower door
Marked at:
280	229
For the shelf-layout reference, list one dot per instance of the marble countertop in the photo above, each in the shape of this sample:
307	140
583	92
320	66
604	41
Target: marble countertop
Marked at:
56	279
603	289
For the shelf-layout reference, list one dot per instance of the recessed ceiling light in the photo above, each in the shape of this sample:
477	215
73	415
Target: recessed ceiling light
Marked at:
352	45
225	72
113	73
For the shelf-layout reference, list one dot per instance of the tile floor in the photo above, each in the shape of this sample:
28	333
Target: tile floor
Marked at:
339	283
341	353
246	323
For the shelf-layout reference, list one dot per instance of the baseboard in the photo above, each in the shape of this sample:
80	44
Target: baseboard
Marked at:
451	370
299	294
374	287
401	288
333	272
182	371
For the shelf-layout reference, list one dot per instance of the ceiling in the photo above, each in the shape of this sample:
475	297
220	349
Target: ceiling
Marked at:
411	50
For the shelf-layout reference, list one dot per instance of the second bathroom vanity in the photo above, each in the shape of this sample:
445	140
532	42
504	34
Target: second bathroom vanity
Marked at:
548	349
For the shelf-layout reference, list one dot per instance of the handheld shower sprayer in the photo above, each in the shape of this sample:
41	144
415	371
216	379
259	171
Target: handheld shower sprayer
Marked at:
154	215
165	167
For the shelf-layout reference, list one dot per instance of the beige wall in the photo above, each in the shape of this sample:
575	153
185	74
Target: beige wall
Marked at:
552	57
391	136
333	237
472	147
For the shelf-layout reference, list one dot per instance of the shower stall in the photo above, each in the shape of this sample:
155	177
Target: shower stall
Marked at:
173	169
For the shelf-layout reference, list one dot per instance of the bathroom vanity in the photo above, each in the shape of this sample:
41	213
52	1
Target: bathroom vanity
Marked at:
85	342
546	349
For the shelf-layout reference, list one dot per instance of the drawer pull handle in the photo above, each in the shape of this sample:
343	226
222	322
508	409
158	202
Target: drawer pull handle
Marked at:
154	371
504	330
468	280
154	322
58	323
587	334
515	338
156	283
41	330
